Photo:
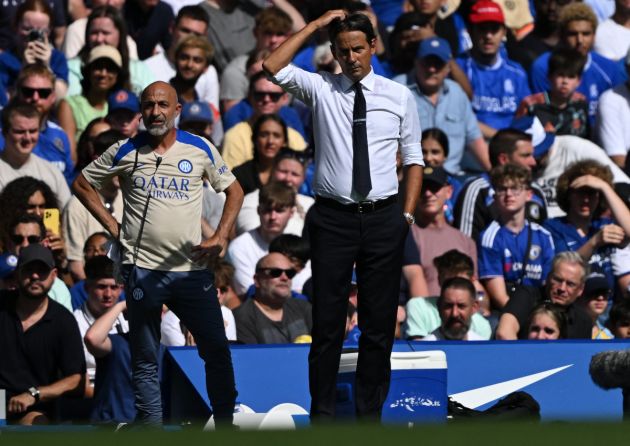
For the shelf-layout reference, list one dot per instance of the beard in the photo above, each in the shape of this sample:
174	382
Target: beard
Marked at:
456	331
163	129
34	292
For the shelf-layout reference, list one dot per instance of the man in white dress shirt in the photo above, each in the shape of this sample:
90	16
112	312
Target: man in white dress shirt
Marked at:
360	120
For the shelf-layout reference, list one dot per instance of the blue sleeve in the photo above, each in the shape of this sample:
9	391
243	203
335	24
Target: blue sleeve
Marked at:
59	65
240	112
548	253
9	67
538	77
68	173
490	262
559	242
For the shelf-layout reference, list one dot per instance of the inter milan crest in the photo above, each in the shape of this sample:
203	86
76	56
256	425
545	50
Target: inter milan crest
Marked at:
185	166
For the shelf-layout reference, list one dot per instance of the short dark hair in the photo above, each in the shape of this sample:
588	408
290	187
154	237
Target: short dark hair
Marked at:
28	219
567	62
555	312
458	283
18	108
276	194
619	314
510	172
194	12
504	142
107	235
292	246
105	140
99	267
223	273
454	262
353	22
439	136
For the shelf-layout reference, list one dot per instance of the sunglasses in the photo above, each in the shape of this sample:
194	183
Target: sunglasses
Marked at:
29	92
18	239
277	272
260	95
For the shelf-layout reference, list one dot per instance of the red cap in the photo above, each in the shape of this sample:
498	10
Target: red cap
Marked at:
486	11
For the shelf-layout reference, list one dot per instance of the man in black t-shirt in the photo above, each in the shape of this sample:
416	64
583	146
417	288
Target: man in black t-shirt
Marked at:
564	285
41	354
273	316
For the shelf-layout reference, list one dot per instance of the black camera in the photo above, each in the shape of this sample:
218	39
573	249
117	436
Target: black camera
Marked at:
36	34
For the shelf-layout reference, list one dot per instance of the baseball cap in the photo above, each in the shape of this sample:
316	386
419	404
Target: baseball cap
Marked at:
123	99
197	111
595	282
36	253
8	263
105	52
486	11
435	175
434	46
541	140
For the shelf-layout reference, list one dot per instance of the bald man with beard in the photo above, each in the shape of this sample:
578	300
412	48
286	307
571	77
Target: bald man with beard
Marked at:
163	254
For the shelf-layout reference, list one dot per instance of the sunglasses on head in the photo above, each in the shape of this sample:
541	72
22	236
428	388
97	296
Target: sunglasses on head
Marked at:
19	239
260	95
277	272
29	92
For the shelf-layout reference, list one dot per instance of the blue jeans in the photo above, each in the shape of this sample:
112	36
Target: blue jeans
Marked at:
192	296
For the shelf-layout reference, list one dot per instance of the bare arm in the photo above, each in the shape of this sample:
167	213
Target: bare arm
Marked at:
69	125
413	180
458	75
414	275
282	55
87	195
497	291
70	384
487	131
97	337
508	328
619	160
217	244
296	17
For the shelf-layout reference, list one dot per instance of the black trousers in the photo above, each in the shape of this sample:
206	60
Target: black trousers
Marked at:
375	242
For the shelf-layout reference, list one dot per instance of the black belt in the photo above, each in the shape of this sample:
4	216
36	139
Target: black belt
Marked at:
362	207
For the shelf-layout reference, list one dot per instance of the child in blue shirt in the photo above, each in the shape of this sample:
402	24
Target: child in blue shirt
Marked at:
512	250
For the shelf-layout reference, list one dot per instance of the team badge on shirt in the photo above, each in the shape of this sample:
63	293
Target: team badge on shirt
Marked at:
137	293
58	143
534	252
185	166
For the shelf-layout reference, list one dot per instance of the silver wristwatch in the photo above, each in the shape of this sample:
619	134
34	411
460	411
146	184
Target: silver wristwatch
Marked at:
34	391
409	217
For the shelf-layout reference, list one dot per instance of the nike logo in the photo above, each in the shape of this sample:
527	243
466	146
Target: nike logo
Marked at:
207	287
478	397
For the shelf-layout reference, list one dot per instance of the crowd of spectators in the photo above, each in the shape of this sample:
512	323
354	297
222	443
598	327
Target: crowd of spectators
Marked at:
522	226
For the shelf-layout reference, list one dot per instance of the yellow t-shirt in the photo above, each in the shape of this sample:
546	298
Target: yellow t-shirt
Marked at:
164	191
238	146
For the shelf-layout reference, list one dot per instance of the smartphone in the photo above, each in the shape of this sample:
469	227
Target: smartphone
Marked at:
36	34
51	220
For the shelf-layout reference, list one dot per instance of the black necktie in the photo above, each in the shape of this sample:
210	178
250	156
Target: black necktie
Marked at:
361	159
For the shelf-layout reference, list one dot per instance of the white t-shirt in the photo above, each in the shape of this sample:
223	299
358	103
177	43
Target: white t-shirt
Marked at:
243	253
438	336
171	331
566	150
613	120
612	40
207	87
40	169
249	219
